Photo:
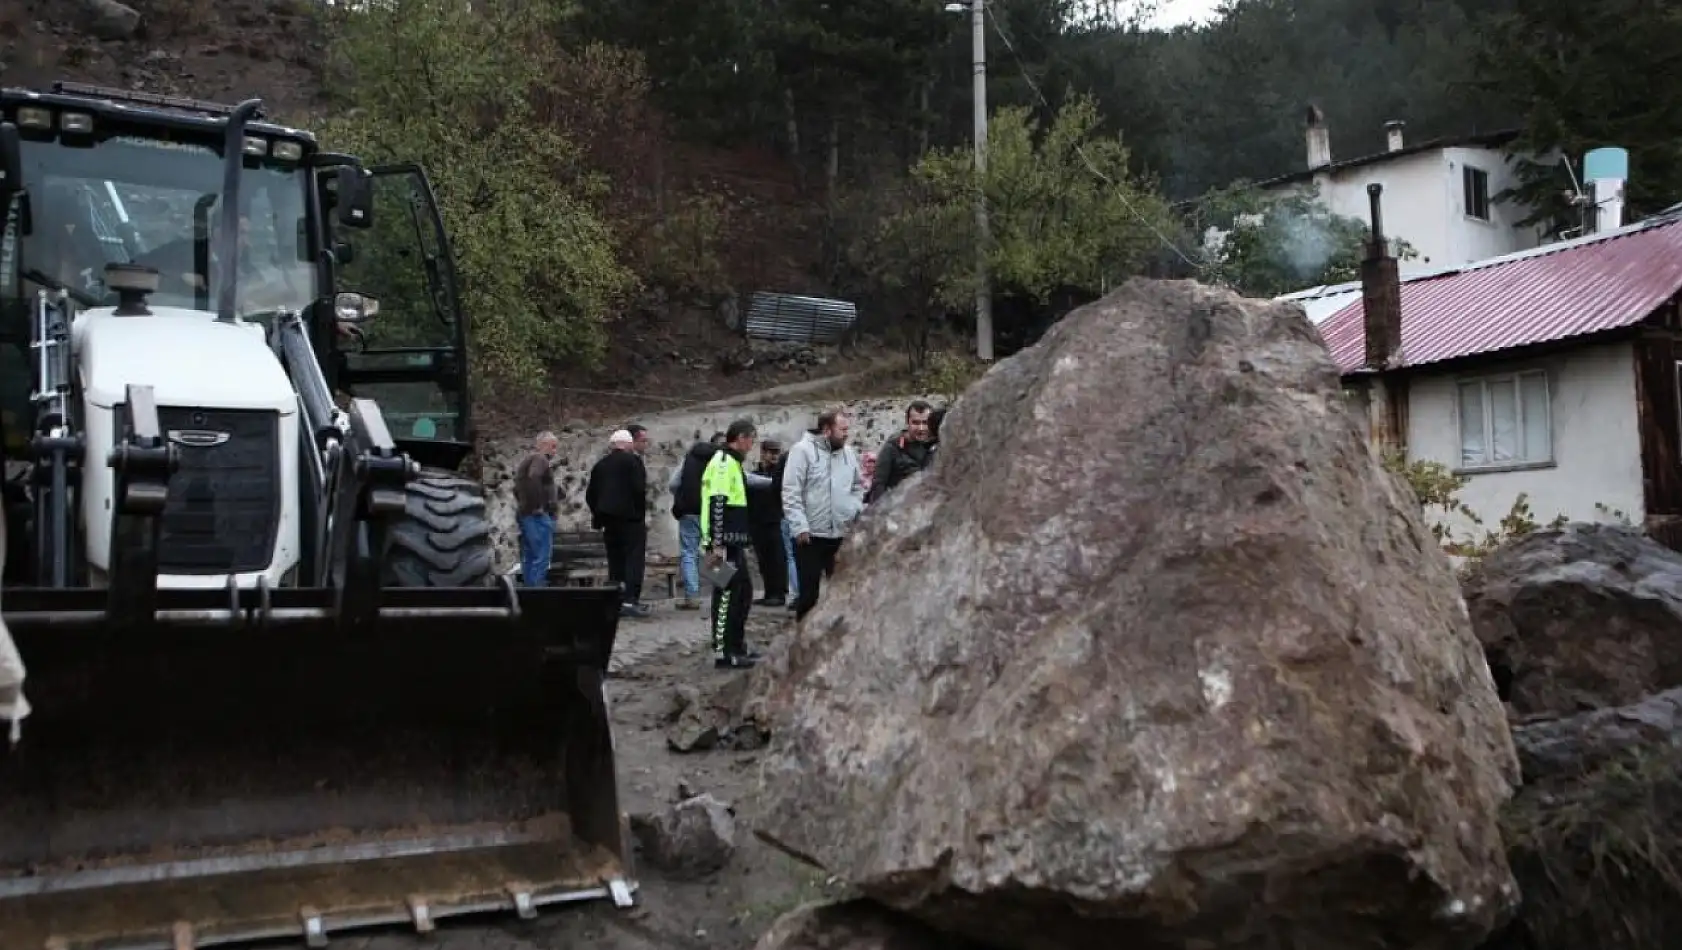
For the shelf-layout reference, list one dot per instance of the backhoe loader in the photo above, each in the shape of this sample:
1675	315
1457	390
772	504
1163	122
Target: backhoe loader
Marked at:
275	688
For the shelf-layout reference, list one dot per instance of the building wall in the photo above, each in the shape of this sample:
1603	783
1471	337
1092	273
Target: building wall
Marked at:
1596	440
1414	203
1424	205
1471	239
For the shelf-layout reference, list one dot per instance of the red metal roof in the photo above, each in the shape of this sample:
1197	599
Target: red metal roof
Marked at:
1552	293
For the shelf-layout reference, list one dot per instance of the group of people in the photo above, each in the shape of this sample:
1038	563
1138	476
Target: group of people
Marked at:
793	508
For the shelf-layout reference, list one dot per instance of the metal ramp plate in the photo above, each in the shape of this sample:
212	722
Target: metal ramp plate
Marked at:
307	902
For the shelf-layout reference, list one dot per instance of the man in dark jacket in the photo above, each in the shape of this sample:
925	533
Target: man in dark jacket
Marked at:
535	499
905	454
765	524
617	497
685	486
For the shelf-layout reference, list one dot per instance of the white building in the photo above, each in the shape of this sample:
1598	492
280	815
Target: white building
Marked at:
1439	194
1551	373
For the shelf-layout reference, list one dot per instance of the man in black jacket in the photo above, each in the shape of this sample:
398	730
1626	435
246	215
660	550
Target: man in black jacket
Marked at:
765	524
907	453
685	486
617	497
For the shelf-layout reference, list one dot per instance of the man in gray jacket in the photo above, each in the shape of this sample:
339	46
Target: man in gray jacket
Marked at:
823	492
13	707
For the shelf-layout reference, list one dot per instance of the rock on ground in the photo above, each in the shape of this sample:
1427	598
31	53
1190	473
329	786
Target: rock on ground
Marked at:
1156	655
110	20
1595	834
713	718
853	925
1569	746
696	836
1581	617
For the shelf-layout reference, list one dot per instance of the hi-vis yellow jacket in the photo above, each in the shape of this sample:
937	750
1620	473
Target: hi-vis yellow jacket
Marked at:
724	501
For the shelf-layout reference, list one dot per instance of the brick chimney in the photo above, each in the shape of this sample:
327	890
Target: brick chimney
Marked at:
1319	139
1393	134
1381	291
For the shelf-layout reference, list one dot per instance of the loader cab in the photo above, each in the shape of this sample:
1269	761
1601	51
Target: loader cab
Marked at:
104	182
410	356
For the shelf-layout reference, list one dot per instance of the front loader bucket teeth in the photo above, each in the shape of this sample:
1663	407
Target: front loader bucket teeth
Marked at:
240	766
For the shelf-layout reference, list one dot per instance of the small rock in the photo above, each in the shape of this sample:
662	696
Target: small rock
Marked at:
695	836
747	738
683	697
110	20
685	791
694	731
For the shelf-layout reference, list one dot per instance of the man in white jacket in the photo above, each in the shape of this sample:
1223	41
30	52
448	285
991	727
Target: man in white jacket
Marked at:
13	707
823	493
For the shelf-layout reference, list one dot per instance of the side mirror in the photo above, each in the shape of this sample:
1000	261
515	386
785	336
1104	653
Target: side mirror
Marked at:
352	309
355	189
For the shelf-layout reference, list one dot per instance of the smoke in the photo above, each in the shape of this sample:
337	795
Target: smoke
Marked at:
1304	242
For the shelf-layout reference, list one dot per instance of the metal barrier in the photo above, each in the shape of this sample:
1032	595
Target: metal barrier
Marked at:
796	319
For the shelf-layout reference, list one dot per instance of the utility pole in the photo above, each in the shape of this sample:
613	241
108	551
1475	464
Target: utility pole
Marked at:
984	236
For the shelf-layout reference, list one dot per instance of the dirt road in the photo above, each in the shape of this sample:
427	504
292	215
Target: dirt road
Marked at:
724	911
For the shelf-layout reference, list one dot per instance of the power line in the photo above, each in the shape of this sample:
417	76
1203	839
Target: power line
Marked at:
1120	191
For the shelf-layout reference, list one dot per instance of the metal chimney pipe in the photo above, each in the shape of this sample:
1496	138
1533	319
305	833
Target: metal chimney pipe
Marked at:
1377	246
1381	291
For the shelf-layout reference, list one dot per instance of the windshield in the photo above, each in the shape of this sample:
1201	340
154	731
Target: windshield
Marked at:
158	203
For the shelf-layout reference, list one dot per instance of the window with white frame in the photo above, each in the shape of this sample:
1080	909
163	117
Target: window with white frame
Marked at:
1505	420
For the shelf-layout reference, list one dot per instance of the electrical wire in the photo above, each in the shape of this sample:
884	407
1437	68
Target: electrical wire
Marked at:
1120	191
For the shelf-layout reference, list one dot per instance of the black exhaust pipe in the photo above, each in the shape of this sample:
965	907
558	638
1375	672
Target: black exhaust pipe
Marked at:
227	243
11	172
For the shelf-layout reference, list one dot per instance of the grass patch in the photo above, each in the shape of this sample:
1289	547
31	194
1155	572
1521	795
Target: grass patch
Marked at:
806	884
1598	857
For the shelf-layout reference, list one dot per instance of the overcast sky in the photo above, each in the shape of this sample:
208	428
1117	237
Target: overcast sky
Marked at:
1175	12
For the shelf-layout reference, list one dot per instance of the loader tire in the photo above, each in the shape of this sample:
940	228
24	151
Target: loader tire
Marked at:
443	538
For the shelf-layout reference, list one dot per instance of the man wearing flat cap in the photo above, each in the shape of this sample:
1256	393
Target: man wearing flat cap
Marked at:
617	497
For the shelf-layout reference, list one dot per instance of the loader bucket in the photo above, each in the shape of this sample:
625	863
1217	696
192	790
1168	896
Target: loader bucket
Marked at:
240	766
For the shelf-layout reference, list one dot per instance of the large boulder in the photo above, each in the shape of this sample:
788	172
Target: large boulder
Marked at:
1157	655
1596	830
1581	617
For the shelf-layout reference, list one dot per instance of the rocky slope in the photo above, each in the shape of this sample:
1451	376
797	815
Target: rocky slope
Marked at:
205	49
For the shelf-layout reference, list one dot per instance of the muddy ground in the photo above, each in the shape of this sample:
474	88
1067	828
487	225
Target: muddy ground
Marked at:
724	911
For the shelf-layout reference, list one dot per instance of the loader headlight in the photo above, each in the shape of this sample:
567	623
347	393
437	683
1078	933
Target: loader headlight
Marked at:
256	146
78	122
35	117
288	151
353	308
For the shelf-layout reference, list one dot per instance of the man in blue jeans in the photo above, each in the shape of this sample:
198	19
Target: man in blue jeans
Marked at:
793	575
685	486
534	493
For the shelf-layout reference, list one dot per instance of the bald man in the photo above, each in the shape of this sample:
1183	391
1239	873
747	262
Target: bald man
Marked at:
617	497
534	491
